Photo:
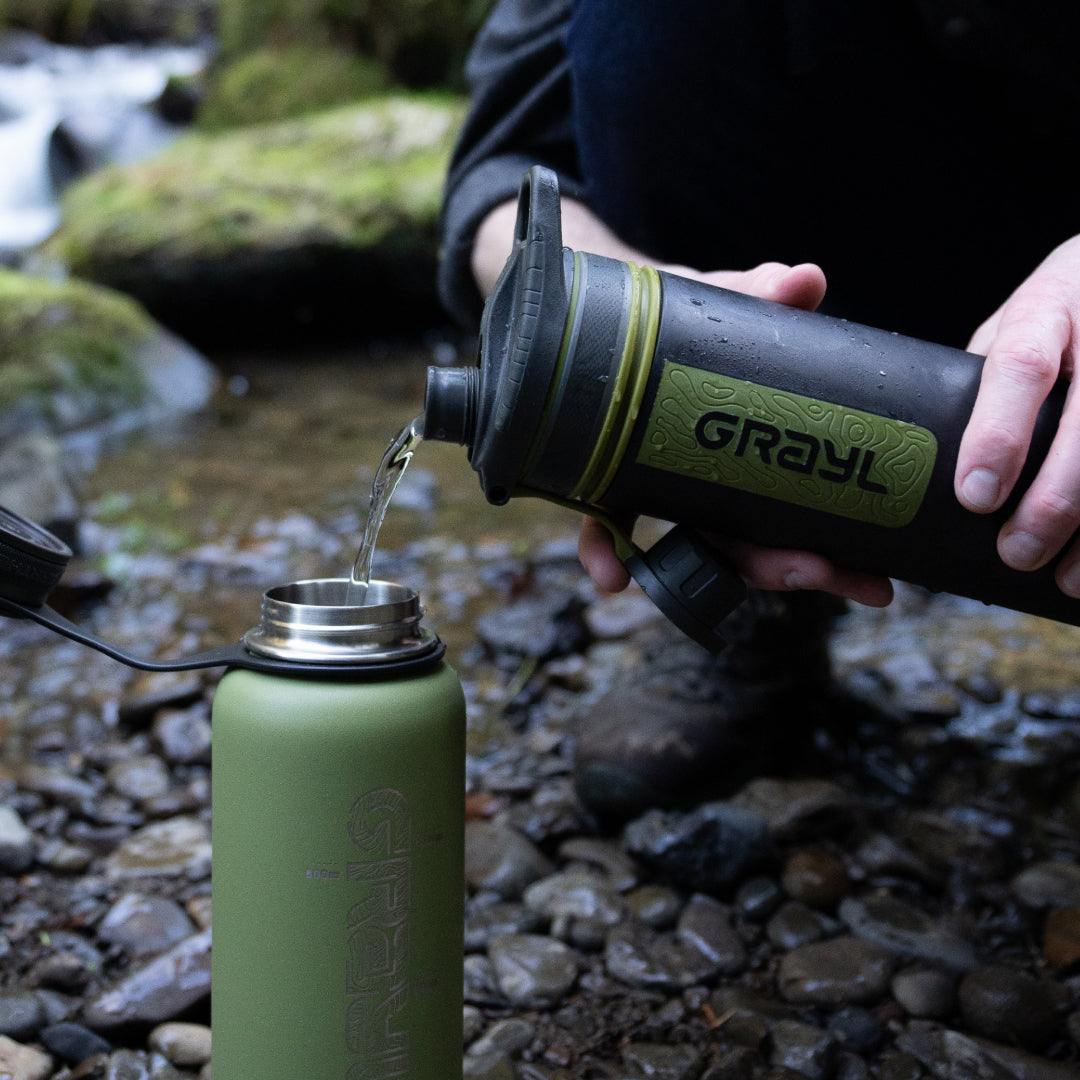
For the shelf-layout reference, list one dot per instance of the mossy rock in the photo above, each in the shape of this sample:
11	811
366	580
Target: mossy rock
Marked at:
272	84
73	354
325	224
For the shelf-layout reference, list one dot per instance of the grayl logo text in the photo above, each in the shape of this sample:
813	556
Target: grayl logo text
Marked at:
783	448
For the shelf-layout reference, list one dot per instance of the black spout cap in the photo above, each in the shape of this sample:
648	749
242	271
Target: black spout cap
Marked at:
451	400
32	560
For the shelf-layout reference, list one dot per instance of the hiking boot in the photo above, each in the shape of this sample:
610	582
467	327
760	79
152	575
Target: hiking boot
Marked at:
686	725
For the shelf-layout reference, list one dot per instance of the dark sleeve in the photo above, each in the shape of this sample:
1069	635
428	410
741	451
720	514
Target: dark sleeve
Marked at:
518	74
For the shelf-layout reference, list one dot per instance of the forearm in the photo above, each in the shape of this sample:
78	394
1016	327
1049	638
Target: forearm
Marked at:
582	230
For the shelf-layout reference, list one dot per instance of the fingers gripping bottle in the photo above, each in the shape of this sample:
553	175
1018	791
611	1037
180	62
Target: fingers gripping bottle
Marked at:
613	387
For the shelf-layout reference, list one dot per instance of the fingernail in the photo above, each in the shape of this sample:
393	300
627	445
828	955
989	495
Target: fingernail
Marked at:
1070	582
1021	550
981	488
795	580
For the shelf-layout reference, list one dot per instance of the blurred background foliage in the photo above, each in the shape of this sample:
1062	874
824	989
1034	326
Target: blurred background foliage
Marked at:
353	46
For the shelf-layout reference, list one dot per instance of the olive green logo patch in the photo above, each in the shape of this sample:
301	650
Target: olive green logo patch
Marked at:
789	447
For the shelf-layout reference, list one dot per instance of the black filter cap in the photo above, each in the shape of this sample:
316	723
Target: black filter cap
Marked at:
691	583
32	560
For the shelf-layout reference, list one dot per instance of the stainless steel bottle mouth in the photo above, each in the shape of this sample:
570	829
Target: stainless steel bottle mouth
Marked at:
313	621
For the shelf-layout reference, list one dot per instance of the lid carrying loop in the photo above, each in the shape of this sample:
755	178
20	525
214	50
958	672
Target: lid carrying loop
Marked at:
308	629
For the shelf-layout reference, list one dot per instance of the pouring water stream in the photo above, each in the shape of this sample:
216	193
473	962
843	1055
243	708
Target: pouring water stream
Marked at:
387	477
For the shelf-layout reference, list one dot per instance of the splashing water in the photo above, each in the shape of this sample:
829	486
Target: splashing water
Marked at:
387	477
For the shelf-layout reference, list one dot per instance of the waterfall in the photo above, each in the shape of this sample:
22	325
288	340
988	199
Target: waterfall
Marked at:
64	110
28	210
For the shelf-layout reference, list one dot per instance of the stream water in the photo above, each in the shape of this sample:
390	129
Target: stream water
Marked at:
65	110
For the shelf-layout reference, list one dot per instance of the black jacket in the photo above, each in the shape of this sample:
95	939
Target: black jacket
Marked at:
919	151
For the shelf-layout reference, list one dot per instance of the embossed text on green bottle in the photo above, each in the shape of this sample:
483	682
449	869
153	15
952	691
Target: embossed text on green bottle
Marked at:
786	446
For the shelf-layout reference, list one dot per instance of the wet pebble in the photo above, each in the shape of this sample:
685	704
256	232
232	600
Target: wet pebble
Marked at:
655	905
1061	936
957	837
479	980
803	1048
758	898
540	625
924	992
641	957
62	788
533	970
182	1044
70	970
16	842
952	1053
154	690
184	735
617	615
907	931
840	971
139	778
857	1028
143	925
1009	1006
816	877
64	858
487	1067
162	990
707	850
22	1014
797	808
19	1062
179	847
706	924
1051	883
506	1038
73	1043
502	860
576	894
681	1062
797	924
881	855
606	855
486	921
473	1023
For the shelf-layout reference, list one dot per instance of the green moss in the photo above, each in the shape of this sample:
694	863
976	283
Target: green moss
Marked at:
66	337
348	178
278	83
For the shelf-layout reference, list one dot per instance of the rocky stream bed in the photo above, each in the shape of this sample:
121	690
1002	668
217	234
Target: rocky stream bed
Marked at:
904	903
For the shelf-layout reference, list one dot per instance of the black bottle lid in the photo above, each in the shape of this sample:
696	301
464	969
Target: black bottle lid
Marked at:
32	560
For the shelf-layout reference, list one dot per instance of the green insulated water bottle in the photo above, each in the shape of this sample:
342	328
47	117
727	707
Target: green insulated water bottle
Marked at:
605	384
338	863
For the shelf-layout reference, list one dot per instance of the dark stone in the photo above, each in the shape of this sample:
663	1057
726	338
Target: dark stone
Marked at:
73	1043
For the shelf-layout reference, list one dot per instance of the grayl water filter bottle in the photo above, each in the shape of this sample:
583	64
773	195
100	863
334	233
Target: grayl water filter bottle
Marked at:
602	383
338	798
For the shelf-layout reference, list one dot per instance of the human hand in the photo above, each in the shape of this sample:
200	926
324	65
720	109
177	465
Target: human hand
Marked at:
800	286
1029	342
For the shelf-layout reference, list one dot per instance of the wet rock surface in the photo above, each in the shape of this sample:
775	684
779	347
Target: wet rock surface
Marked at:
903	904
